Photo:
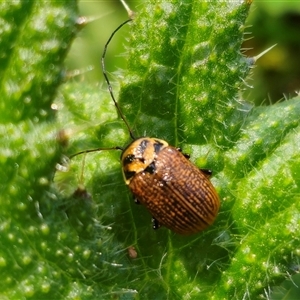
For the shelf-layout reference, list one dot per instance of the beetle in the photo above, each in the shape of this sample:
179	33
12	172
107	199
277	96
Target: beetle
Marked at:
178	195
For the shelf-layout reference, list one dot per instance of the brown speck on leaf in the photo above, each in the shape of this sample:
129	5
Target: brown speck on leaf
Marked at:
132	252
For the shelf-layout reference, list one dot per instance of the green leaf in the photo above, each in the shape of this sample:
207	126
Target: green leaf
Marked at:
73	239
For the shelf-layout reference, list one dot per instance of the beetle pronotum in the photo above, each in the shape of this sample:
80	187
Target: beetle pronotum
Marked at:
176	193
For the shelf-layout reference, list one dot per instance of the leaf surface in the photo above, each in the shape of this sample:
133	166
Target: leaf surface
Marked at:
72	239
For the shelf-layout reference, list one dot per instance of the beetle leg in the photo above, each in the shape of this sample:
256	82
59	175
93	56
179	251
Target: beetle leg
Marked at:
136	200
206	172
187	156
184	154
155	224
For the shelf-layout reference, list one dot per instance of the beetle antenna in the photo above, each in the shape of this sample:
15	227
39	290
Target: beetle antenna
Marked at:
108	82
95	150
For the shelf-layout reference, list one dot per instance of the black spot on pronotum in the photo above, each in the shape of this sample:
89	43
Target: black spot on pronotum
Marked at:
151	168
143	145
157	146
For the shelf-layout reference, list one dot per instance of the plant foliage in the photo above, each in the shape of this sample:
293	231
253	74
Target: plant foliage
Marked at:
73	239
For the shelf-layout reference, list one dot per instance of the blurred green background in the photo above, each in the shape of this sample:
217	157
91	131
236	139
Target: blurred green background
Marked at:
86	51
276	75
